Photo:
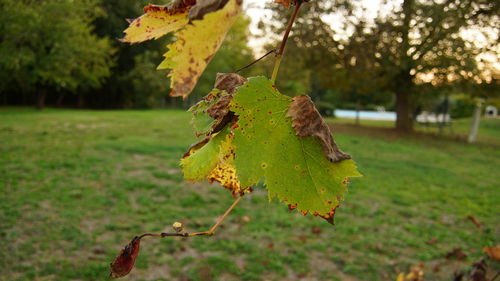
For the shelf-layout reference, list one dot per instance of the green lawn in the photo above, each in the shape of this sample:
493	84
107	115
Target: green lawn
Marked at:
489	131
76	186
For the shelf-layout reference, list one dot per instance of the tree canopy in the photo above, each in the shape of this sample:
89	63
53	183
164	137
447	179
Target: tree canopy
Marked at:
408	44
50	45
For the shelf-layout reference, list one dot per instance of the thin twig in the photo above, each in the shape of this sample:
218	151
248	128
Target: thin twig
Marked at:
281	50
256	61
498	274
209	232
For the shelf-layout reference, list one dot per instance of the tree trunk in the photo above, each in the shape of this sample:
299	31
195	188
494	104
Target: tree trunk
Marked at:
60	100
404	122
40	105
475	123
81	101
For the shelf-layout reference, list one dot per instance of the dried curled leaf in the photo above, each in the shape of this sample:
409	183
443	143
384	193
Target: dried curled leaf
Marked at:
204	7
125	261
212	114
307	121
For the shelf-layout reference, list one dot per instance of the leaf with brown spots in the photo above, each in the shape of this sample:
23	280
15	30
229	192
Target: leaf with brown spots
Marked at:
259	143
293	168
214	162
308	122
201	27
157	21
125	261
197	43
212	114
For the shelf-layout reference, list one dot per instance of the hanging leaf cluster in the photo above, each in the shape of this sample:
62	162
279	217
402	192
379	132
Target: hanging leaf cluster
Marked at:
253	133
249	132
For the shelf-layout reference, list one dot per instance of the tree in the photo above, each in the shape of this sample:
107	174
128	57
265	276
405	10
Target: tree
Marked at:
311	44
423	42
134	63
407	44
49	45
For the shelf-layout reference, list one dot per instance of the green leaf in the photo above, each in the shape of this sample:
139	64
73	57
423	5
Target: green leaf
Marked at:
214	162
201	121
295	169
200	163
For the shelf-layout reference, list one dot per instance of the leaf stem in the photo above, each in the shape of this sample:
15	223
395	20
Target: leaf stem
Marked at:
281	50
256	61
209	232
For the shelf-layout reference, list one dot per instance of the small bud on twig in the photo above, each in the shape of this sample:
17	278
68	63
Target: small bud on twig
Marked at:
178	227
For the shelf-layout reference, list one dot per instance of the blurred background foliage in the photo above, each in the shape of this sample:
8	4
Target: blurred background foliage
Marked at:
411	55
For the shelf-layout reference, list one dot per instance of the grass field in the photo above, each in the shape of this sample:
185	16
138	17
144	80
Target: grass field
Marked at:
489	131
76	186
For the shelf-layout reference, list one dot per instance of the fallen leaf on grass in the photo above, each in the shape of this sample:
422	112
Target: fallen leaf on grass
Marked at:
432	241
316	230
246	219
493	252
474	221
416	274
479	271
456	253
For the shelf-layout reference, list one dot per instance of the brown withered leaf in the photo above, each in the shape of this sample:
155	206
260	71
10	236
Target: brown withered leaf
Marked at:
432	241
307	121
474	221
493	252
175	6
456	253
202	8
124	262
285	3
227	82
211	114
479	271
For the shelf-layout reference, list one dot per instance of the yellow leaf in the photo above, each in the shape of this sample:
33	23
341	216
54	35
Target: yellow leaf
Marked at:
401	277
156	22
225	172
195	46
